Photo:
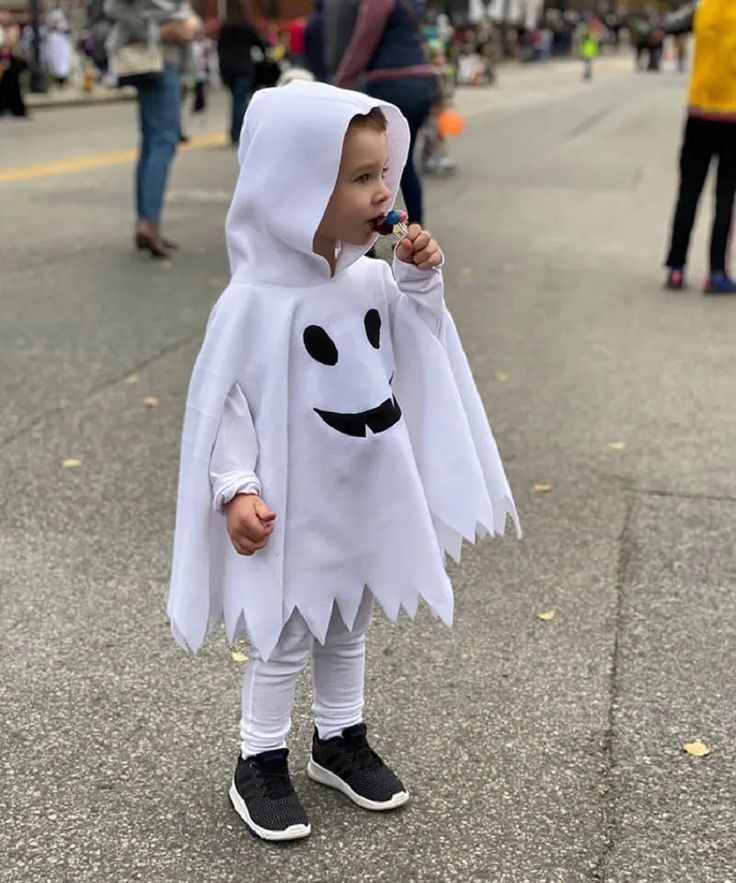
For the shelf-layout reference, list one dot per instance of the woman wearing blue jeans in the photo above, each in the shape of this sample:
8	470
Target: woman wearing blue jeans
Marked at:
385	52
158	115
172	25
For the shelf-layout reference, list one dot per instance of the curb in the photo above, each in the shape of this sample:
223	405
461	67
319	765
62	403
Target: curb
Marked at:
36	101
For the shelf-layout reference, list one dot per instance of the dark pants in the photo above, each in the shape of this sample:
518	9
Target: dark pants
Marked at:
241	89
705	139
200	97
413	96
655	58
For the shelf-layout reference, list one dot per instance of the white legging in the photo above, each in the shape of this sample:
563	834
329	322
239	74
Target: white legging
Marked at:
338	669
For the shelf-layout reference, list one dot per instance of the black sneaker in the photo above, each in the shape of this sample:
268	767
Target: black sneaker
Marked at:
264	798
349	764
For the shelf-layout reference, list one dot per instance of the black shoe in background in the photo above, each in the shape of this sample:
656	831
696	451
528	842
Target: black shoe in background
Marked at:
350	765
264	798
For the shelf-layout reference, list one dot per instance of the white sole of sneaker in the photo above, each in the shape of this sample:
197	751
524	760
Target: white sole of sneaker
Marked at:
294	832
325	777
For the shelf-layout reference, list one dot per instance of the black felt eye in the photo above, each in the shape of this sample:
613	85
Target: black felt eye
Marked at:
373	327
319	345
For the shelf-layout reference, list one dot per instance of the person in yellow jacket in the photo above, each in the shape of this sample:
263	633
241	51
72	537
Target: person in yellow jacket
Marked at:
710	131
589	40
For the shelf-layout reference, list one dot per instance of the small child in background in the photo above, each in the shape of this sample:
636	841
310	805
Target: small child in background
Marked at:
202	53
436	159
590	45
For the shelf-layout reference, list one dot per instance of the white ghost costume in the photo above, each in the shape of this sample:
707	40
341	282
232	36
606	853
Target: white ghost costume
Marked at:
346	400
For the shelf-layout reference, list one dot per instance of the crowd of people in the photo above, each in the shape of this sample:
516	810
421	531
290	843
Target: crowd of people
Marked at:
394	50
382	48
55	52
462	51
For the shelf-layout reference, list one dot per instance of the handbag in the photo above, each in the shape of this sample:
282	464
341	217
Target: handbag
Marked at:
137	62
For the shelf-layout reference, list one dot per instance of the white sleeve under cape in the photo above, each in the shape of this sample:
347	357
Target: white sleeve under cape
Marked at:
235	455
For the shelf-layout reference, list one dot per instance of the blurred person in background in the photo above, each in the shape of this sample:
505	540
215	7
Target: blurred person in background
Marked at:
338	19
656	45
640	30
296	31
98	30
681	52
436	158
613	24
157	35
710	132
589	41
203	50
11	67
647	36
314	44
57	48
240	49
386	55
488	45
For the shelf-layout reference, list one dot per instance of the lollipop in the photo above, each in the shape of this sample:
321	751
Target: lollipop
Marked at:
392	222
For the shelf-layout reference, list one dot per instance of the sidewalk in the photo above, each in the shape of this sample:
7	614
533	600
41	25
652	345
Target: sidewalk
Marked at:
470	95
75	97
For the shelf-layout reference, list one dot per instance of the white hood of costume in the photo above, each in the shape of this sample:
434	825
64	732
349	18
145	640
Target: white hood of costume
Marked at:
373	447
278	204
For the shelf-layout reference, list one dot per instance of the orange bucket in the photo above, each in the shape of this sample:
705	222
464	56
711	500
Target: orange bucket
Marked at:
450	122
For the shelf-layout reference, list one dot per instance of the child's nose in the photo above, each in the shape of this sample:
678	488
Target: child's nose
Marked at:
382	194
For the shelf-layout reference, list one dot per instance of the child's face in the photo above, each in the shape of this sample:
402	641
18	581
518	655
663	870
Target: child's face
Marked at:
360	193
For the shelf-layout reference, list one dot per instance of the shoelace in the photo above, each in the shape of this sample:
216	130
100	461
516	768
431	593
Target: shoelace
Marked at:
275	777
364	757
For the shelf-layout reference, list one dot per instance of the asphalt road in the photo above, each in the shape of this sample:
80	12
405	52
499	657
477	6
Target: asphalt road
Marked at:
536	751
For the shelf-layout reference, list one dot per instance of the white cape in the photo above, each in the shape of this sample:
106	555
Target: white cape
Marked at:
374	448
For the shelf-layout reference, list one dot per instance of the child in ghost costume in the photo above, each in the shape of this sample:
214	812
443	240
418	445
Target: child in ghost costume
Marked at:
333	421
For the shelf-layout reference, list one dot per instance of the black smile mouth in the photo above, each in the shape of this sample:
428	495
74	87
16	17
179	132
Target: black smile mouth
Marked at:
377	419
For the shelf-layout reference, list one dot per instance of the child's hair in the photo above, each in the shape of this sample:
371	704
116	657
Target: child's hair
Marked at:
374	119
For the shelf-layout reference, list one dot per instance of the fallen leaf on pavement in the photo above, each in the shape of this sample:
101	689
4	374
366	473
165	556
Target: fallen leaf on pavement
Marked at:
542	488
617	446
131	379
696	749
238	656
547	616
71	463
151	402
501	377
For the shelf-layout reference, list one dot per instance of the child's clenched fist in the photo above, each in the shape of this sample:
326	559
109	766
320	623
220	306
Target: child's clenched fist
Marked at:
419	248
249	523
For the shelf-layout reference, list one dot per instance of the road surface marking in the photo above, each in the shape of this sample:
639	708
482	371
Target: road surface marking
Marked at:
98	160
